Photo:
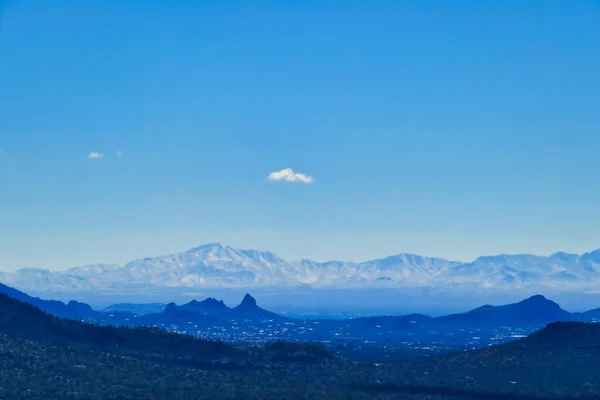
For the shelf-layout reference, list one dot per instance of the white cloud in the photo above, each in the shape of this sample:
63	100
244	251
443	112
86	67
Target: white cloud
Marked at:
94	155
120	153
289	175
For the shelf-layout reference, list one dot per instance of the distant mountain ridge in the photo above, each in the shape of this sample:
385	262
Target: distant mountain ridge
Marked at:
212	317
533	312
210	306
137	309
536	310
248	309
220	266
72	310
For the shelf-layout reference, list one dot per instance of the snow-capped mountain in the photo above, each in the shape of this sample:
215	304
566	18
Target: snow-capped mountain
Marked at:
522	270
219	266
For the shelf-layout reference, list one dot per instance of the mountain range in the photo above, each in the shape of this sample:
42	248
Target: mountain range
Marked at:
247	322
535	311
72	310
48	357
248	309
221	266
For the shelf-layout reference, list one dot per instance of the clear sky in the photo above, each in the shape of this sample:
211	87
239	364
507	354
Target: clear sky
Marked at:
450	129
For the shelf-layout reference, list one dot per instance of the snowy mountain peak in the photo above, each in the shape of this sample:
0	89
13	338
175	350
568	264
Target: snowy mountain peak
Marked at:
593	256
562	256
216	265
210	248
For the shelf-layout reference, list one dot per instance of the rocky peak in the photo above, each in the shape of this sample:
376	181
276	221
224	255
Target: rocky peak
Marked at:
248	302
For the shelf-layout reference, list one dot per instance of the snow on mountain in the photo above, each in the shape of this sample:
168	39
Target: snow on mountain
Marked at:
408	268
216	266
591	261
524	270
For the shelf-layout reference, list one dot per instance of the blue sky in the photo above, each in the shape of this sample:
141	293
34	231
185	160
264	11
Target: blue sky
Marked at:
451	129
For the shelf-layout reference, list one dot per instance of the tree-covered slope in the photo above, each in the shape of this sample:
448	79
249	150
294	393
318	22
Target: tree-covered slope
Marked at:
44	357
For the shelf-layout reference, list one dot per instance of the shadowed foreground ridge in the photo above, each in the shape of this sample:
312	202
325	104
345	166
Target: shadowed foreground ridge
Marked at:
42	356
22	320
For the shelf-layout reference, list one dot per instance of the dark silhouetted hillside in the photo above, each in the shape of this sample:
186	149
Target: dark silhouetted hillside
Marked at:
42	357
210	306
72	310
25	321
249	309
534	311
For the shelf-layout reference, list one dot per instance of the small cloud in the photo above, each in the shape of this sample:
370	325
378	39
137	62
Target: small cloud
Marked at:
289	175
94	155
119	153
